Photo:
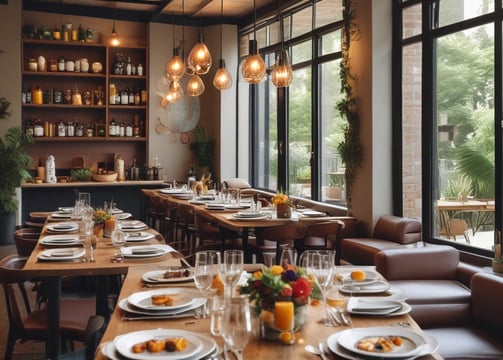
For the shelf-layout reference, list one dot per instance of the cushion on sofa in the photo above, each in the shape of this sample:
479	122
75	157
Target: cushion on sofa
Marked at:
398	229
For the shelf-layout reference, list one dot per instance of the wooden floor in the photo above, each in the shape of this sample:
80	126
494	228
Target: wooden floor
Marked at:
30	350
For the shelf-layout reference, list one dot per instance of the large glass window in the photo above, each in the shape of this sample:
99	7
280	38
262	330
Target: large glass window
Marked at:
448	119
298	128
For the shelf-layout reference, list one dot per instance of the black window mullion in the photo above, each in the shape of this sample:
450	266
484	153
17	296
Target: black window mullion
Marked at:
498	117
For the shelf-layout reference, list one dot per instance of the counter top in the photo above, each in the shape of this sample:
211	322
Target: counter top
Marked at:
93	184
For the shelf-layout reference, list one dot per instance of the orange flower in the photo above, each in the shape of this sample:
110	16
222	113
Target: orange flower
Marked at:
281	199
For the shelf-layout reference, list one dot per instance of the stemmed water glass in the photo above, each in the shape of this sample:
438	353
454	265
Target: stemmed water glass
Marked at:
236	325
320	264
231	269
206	267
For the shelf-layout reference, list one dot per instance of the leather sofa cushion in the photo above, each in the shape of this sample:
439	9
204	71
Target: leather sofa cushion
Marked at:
361	251
487	295
398	229
433	291
467	343
436	262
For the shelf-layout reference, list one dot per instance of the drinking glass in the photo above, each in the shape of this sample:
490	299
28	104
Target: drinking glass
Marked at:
205	269
85	199
231	269
217	313
288	255
284	320
118	238
236	325
320	264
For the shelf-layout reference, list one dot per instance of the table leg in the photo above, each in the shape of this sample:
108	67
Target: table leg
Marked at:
102	291
247	254
53	310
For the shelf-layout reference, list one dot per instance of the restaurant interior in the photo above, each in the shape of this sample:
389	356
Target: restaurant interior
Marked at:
222	179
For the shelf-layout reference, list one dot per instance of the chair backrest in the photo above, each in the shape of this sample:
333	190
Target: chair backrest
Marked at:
236	183
26	240
283	234
398	229
328	230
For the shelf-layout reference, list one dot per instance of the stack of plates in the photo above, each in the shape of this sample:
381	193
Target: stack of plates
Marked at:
138	236
249	215
215	206
199	346
63	227
377	306
62	214
345	343
145	251
62	254
132	225
185	301
60	240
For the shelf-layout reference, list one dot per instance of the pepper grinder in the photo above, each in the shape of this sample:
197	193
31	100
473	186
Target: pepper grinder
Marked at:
50	170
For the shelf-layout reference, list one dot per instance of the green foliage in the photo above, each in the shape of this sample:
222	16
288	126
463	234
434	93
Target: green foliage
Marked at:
203	147
83	174
14	161
350	149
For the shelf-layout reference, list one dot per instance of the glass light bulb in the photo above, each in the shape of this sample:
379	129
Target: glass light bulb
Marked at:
175	68
282	74
253	69
223	78
200	58
175	92
195	87
114	39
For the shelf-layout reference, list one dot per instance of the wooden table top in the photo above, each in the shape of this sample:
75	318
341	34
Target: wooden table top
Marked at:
311	333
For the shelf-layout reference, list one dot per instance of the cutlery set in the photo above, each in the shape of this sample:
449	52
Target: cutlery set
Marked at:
338	317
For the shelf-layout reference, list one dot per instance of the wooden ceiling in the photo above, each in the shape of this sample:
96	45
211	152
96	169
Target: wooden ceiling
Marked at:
165	11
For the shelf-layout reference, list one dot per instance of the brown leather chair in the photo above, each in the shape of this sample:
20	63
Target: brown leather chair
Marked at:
321	236
74	313
26	240
389	232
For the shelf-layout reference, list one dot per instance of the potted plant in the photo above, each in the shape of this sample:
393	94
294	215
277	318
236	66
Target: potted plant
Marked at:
14	161
203	148
335	185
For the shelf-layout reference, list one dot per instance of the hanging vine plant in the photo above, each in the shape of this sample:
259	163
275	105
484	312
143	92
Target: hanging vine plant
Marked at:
350	148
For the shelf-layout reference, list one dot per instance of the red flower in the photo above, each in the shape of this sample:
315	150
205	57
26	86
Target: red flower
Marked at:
301	288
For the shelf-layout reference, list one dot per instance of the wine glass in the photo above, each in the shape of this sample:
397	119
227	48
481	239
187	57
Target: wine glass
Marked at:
320	264
288	255
236	325
85	199
231	269
205	269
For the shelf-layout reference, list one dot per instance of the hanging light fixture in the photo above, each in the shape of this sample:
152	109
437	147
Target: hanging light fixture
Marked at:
253	68
175	91
174	66
114	38
199	57
223	78
282	74
195	87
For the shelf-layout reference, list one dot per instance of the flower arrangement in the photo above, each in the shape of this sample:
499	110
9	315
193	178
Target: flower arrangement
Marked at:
280	283
281	199
101	216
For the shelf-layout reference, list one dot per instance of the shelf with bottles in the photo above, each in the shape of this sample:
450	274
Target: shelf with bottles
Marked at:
127	62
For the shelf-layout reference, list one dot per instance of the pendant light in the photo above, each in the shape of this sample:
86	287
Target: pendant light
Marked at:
175	91
114	38
199	58
253	68
175	66
223	78
282	74
195	87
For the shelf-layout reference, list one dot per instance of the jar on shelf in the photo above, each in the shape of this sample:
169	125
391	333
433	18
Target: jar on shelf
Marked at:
67	97
129	130
53	65
99	129
61	63
87	98
139	69
79	129
32	64
61	128
41	63
111	128
29	130
58	96
37	96
70	65
112	93
124	97
90	131
76	96
70	128
38	128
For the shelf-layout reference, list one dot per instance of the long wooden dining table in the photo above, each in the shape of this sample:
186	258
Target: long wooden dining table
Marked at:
225	218
103	266
311	333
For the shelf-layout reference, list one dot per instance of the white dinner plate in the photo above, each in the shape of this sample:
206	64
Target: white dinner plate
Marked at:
123	216
139	236
143	299
372	288
132	225
370	277
124	344
377	307
117	211
60	240
66	209
261	217
429	347
157	277
411	345
215	206
145	251
62	254
209	347
249	213
185	196
175	313
63	227
62	214
173	191
313	213
237	206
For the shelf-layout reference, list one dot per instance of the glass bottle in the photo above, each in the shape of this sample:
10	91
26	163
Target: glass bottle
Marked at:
111	128
76	96
128	66
61	128
70	128
79	130
38	128
130	97
124	98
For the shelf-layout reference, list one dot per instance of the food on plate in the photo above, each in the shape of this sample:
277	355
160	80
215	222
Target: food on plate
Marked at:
176	344
178	273
156	346
358	275
159	345
162	299
379	344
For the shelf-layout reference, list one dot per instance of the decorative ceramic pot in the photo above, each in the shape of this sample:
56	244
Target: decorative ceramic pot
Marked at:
283	211
98	230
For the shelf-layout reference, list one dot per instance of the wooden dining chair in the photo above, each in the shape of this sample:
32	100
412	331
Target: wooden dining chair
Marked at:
268	240
321	236
26	239
27	324
209	236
